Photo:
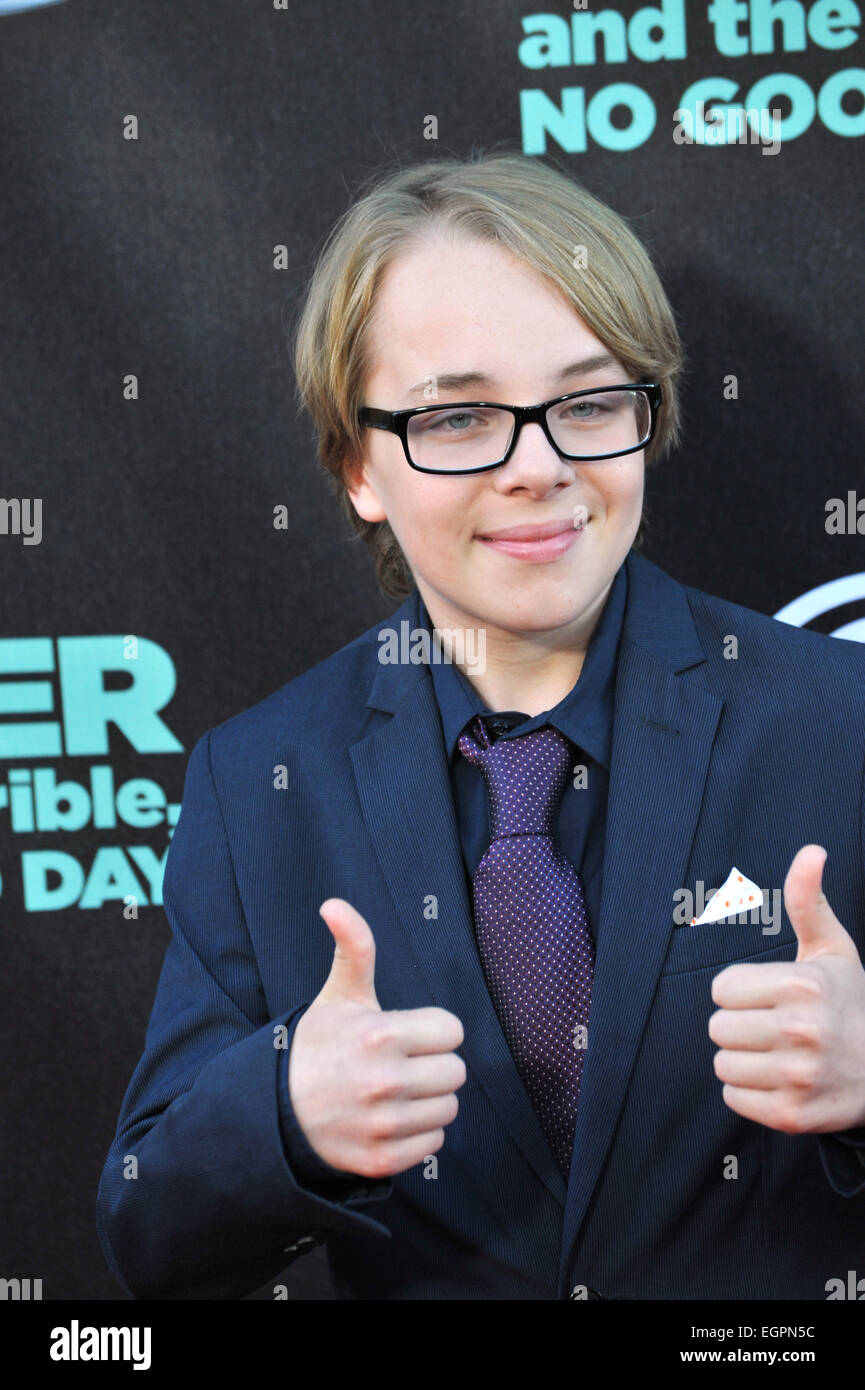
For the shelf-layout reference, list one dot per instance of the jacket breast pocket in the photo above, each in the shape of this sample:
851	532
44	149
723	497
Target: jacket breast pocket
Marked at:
725	943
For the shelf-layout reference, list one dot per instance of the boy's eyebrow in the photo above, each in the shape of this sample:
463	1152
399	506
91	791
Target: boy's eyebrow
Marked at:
459	381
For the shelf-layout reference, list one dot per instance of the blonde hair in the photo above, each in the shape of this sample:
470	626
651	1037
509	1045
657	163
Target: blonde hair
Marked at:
537	212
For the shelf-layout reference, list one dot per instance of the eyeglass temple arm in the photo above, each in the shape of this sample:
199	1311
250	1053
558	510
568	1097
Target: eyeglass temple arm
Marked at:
379	419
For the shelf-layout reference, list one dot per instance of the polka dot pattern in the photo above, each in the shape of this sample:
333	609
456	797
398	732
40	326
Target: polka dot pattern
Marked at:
531	923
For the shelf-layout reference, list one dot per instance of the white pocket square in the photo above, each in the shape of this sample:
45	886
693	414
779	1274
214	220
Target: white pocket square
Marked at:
737	894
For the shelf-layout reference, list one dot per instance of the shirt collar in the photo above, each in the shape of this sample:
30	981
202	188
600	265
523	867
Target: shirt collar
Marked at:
585	715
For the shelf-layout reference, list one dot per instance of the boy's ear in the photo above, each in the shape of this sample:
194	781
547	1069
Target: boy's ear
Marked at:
361	492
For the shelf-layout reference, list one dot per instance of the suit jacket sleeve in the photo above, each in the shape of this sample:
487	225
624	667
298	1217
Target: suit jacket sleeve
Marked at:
843	1158
843	1153
197	1198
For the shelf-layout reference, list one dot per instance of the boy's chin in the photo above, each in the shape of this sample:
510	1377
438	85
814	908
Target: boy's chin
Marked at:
536	616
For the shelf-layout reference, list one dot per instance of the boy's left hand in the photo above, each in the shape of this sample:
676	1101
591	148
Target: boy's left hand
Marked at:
792	1033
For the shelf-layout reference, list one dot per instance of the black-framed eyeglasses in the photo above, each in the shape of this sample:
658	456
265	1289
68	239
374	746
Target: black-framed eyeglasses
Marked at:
474	436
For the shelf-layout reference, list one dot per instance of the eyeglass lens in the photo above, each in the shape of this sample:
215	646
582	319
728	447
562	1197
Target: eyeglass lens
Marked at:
459	437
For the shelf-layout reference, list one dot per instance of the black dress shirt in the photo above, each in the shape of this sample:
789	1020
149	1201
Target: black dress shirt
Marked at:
585	716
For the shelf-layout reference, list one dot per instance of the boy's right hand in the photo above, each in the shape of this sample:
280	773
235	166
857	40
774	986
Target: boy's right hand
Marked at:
372	1090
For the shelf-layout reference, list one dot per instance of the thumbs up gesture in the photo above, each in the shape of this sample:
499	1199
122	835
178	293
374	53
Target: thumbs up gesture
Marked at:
792	1033
371	1089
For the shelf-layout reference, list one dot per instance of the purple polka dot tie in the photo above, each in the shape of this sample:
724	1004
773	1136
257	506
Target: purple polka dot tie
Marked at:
531	923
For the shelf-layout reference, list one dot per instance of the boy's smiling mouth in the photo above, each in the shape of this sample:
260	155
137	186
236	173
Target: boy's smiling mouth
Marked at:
537	541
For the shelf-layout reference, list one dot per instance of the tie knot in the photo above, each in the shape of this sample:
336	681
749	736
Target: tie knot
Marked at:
525	776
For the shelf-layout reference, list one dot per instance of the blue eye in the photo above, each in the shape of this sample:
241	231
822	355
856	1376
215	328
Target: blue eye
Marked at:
448	422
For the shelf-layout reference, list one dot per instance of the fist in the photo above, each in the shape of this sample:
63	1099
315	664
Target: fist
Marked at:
792	1033
371	1089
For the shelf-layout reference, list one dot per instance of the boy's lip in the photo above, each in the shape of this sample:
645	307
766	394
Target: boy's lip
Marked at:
531	531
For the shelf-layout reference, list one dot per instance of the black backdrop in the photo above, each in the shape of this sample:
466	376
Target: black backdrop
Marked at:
153	257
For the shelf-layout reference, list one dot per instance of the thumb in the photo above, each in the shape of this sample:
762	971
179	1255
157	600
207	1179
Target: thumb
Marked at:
818	931
353	970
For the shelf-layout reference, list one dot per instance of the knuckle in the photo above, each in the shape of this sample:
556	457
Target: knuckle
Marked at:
364	952
378	1035
802	1074
380	1126
801	1028
805	984
791	1120
380	1085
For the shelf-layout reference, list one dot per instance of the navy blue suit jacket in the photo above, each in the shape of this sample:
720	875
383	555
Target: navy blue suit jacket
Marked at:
715	762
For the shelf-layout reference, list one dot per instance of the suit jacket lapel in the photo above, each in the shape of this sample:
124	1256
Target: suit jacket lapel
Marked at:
663	730
408	809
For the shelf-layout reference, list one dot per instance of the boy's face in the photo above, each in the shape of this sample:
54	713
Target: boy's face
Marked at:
455	307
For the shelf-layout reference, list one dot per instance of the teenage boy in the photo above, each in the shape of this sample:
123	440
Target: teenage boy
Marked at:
507	1063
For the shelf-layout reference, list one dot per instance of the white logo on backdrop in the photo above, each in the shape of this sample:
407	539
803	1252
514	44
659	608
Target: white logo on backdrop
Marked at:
822	600
16	6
